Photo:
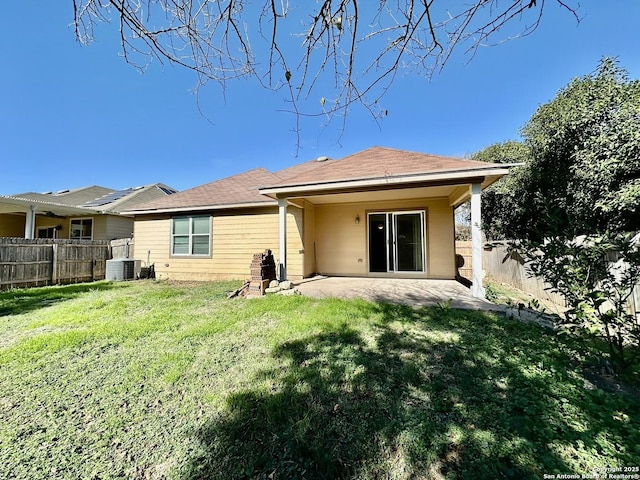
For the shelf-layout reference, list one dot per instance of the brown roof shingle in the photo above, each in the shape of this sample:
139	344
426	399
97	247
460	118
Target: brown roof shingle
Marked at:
235	190
302	168
375	162
243	189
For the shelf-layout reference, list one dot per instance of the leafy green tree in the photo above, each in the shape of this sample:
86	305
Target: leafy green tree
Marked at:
597	275
584	174
582	154
500	202
569	207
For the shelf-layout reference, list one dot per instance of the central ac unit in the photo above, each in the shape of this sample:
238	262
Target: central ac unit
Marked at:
119	269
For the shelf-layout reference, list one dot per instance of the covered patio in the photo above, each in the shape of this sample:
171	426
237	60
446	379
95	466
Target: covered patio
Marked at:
382	214
418	292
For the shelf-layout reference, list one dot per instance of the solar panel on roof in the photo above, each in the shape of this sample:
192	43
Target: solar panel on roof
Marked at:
108	198
168	191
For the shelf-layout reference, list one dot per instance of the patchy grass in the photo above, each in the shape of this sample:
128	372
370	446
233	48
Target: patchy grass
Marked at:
504	294
157	380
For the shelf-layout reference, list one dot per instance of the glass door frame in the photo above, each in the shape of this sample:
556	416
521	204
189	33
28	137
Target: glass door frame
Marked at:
392	240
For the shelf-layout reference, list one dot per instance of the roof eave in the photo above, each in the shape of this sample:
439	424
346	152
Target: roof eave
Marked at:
200	208
386	182
49	206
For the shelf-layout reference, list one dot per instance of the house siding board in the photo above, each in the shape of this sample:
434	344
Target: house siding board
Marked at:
99	228
151	235
118	227
341	244
236	237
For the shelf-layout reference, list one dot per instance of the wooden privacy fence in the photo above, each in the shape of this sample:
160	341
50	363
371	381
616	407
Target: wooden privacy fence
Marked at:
463	248
121	248
511	269
25	263
506	269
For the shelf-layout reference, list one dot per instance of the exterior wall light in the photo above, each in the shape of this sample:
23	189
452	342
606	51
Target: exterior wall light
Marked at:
357	219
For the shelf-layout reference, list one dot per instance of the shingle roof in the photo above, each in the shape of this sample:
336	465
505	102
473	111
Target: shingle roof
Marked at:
302	168
96	198
243	189
71	198
235	190
141	195
376	162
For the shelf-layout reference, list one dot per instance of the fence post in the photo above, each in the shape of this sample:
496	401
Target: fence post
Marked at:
54	264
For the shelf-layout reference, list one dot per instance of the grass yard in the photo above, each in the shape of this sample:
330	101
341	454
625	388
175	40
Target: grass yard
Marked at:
157	380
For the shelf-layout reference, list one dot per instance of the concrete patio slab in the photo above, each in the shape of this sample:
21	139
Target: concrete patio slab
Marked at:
413	292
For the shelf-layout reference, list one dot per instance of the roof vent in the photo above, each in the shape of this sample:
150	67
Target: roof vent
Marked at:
322	159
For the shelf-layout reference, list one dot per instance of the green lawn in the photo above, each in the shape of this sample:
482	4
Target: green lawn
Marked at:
154	380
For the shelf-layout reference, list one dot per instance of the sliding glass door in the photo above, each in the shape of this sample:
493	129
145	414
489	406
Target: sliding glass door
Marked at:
396	242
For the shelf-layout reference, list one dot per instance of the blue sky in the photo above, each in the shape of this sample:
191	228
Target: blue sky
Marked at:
75	115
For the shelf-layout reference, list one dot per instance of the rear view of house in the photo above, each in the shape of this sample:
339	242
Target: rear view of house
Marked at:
379	212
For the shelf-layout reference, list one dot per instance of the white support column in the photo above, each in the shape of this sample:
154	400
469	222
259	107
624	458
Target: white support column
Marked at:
282	214
477	290
30	223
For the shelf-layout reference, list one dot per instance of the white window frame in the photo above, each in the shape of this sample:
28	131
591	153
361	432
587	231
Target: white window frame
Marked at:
71	220
190	235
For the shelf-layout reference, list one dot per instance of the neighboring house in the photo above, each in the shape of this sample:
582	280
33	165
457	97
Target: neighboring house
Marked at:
89	213
379	212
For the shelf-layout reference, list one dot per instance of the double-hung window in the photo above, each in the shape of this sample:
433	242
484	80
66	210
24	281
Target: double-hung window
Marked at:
191	236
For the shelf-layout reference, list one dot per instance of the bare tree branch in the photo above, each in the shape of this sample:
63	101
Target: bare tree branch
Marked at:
345	52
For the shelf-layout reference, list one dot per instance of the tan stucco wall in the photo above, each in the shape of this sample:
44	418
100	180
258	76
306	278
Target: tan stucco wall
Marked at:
441	250
43	221
236	236
341	245
12	225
